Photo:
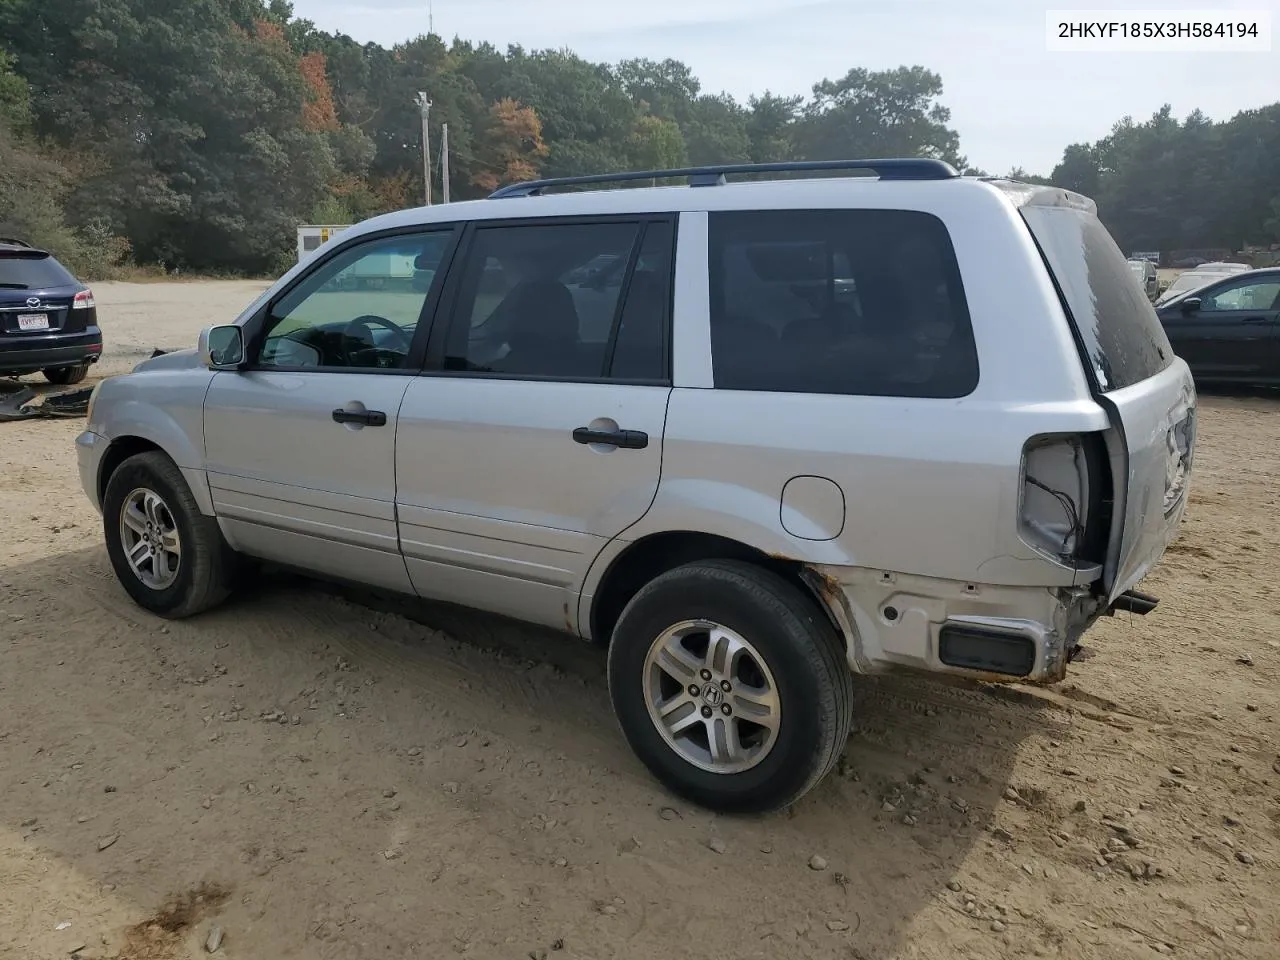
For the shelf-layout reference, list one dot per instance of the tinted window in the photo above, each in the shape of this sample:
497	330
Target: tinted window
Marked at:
1121	337
25	272
1249	295
842	301
640	348
359	309
546	301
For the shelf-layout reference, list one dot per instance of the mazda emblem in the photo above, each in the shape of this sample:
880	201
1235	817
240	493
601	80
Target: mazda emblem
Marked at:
33	301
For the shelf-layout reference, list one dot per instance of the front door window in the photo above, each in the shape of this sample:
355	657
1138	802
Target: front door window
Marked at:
359	310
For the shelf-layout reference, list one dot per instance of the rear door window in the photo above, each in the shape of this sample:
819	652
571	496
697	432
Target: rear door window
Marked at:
564	301
856	302
1118	331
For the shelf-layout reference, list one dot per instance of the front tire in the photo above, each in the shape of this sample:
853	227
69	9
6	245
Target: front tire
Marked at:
169	557
66	375
731	686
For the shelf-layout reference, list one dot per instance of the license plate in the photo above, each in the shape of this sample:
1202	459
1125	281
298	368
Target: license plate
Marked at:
33	321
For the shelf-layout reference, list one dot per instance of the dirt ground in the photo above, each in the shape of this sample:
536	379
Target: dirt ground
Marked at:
325	776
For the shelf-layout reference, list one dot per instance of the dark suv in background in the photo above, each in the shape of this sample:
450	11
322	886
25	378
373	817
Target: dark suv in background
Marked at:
48	320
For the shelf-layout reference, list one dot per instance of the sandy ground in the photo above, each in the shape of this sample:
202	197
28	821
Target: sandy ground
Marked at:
327	776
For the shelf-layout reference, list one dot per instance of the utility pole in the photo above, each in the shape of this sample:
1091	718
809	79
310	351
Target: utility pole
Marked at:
444	161
425	106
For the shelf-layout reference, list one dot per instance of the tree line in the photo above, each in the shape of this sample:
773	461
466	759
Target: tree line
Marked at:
1181	185
199	138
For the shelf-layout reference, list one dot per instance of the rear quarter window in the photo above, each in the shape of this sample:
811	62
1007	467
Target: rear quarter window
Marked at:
856	302
24	271
1116	327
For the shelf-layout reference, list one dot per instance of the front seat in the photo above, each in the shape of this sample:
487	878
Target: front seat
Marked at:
542	331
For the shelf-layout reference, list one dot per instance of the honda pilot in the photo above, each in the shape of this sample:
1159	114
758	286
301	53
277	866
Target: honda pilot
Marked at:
756	438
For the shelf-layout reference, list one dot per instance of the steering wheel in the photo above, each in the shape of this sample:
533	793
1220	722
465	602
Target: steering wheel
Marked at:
402	338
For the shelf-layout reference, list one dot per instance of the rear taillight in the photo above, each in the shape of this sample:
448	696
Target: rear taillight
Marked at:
83	300
1064	496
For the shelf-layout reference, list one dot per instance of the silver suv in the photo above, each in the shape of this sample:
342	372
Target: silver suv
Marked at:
755	437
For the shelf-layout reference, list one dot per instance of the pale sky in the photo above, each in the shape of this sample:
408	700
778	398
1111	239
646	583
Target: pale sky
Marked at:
1013	102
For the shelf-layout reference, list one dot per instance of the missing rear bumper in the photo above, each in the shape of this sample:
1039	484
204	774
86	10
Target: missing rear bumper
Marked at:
996	633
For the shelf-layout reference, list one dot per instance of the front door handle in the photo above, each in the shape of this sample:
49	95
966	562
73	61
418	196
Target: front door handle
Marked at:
627	439
1253	319
368	418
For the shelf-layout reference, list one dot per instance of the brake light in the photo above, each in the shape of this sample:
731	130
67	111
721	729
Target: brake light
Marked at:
83	300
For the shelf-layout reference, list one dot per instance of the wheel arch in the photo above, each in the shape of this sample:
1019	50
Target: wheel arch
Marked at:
642	560
127	445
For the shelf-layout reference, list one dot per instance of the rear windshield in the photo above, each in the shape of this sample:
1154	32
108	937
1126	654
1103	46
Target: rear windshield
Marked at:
1119	332
23	271
1191	281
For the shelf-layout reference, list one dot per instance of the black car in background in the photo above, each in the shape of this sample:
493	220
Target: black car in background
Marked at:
48	320
1228	331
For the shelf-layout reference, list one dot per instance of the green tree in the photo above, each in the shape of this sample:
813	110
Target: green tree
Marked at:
586	115
770	127
15	97
1079	170
1167	184
33	189
656	144
716	131
204	138
200	156
666	89
890	113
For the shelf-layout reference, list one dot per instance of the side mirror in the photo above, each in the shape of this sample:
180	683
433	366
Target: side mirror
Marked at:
1191	305
221	347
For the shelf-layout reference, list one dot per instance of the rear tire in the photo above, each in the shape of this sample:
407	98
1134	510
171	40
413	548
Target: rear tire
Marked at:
789	697
66	375
169	557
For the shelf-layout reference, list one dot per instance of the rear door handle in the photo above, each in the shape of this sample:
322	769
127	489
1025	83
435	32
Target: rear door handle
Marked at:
627	439
369	418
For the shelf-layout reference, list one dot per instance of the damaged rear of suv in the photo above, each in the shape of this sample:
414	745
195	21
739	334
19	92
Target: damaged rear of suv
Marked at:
755	437
946	409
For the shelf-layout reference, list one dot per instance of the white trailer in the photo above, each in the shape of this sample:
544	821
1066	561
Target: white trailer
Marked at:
311	236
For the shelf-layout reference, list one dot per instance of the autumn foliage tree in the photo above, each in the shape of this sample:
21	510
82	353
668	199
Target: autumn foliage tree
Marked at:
318	111
510	146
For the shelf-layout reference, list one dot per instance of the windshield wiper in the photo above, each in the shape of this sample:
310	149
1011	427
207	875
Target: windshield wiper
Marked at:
14	286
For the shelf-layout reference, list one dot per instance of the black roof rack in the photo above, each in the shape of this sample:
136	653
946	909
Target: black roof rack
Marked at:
914	168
